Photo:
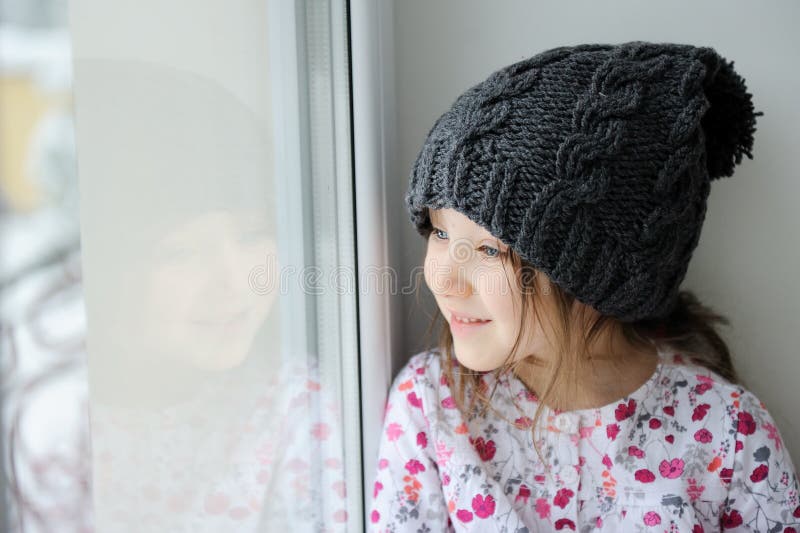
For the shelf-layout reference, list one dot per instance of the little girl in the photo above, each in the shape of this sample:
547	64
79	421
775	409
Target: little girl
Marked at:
574	386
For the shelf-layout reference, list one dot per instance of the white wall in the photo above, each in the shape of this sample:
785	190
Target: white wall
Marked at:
746	263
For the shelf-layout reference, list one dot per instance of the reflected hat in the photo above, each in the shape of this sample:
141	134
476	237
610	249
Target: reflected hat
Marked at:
593	163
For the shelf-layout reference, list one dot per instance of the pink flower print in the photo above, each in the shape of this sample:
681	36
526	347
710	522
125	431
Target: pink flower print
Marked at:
654	423
612	430
483	507
413	466
669	410
671	469
523	422
644	475
442	453
485	449
562	497
759	474
586	431
635	452
445	480
422	439
449	403
607	461
414	400
375	516
651	518
377	489
340	488
464	515
561	523
731	520
703	435
321	431
383	463
542	507
625	411
523	494
772	433
700	411
217	503
393	431
693	490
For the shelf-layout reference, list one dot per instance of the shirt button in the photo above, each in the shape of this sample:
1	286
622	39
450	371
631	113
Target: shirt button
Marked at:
565	424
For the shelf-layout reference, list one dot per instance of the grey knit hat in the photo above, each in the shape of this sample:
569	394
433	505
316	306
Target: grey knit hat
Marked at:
593	163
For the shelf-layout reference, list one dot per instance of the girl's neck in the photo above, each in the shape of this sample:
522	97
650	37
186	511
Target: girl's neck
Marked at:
598	382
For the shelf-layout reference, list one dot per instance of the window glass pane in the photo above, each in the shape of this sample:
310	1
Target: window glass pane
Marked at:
213	152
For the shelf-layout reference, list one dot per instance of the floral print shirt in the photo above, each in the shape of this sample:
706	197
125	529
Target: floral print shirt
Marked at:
687	451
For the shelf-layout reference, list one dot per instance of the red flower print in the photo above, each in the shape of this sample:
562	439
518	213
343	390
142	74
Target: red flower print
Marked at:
485	449
739	446
703	435
655	423
644	475
612	430
726	474
523	494
700	411
796	512
670	438
731	520
700	388
651	518
464	515
414	400
561	523
607	461
746	425
483	507
625	411
698	529
562	497
635	452
671	469
422	439
413	466
669	410
759	474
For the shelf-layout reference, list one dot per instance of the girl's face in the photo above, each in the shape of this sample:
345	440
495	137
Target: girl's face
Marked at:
467	270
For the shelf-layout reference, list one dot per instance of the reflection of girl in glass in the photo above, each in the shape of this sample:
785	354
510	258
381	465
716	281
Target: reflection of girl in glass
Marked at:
197	424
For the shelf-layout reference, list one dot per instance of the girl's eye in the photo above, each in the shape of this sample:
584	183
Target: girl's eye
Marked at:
437	232
494	251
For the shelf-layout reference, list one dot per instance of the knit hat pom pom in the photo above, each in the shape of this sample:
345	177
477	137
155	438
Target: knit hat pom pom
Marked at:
730	121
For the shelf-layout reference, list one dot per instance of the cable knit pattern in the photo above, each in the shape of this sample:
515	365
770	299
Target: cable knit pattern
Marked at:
593	162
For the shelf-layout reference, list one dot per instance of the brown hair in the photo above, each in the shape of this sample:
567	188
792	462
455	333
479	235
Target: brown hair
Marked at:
689	329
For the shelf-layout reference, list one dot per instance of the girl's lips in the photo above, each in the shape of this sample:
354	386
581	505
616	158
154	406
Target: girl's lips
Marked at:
465	328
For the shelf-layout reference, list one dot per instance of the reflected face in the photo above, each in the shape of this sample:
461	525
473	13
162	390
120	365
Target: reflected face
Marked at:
200	306
469	273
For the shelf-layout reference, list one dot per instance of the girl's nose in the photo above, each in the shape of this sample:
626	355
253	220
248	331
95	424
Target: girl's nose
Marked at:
457	274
